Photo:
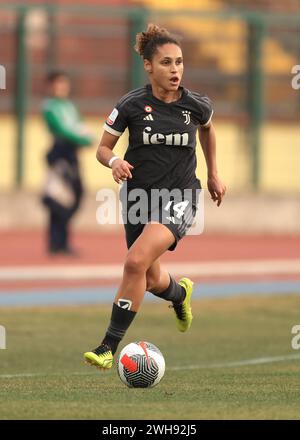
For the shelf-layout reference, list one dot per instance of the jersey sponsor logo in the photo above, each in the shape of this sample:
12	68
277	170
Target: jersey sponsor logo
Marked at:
112	117
148	108
187	116
148	118
176	139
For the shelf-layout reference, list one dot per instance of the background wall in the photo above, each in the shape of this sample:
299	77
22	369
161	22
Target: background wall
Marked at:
241	57
279	156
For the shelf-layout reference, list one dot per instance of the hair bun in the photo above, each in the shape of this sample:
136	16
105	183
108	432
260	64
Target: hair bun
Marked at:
153	34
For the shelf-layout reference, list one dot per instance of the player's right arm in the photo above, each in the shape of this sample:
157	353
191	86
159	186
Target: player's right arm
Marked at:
114	127
121	169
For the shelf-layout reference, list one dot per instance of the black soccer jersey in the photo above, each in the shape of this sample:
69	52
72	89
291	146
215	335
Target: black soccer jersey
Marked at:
162	137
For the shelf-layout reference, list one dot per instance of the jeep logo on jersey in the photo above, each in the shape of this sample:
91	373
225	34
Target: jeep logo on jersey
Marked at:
178	139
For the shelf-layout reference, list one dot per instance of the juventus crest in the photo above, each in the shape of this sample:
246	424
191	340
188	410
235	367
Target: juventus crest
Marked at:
187	116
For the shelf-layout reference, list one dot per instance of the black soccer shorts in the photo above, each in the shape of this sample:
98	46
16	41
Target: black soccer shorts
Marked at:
177	212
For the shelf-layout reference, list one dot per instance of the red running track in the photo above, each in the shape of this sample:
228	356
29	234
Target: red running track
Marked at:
28	248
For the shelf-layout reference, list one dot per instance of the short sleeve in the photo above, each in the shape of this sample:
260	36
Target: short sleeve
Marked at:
204	110
116	122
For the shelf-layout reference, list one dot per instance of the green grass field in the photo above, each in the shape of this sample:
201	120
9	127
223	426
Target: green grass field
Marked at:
42	374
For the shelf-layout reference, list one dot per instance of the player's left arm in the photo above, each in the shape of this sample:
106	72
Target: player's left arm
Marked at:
207	137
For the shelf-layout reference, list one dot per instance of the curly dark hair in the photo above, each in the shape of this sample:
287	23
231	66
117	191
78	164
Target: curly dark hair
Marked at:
147	42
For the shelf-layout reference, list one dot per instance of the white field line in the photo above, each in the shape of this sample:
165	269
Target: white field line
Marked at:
257	361
114	271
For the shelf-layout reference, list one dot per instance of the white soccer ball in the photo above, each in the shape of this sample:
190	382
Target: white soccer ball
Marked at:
141	365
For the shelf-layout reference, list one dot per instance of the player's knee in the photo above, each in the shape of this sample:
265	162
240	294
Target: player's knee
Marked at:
135	263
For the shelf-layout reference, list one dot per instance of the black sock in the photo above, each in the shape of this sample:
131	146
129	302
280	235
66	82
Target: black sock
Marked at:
175	292
119	322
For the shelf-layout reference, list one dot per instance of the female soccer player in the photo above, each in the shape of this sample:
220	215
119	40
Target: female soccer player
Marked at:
162	118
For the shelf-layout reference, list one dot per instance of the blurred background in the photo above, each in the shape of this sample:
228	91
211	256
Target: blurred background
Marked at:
240	53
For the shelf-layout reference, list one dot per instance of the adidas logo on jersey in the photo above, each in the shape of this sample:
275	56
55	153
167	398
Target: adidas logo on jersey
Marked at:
178	139
148	118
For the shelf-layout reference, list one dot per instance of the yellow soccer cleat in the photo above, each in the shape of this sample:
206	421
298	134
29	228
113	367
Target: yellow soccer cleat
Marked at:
183	311
101	357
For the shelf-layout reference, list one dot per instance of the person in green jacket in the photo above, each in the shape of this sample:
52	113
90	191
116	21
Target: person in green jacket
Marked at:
63	190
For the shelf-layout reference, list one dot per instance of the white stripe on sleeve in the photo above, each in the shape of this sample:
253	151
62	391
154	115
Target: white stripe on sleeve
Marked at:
112	130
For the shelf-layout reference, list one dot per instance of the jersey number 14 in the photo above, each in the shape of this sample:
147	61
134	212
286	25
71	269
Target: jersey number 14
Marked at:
178	209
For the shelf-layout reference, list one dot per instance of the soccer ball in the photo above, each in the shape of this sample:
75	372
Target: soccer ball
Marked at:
141	365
